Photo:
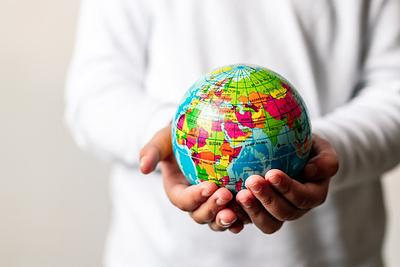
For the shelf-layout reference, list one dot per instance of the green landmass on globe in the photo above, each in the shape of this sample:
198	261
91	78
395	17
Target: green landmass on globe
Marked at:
237	121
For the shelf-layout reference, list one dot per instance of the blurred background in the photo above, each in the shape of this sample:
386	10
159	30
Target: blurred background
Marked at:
54	206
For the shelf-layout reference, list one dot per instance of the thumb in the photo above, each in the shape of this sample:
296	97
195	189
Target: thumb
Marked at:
324	161
156	150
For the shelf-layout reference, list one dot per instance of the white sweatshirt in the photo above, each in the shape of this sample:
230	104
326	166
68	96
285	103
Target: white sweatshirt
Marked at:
133	62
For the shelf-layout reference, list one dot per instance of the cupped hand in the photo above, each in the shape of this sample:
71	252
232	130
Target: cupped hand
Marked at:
205	202
271	200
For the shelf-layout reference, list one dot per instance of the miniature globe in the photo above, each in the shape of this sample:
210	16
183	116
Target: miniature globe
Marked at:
237	121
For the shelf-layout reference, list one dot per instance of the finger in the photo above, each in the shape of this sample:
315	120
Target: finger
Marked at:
272	201
258	215
208	210
157	149
236	227
324	161
224	219
303	196
185	197
240	213
149	160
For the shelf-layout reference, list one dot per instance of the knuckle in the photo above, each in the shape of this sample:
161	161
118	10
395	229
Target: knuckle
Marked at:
198	220
267	200
304	203
254	213
209	216
182	206
177	204
286	187
285	216
203	216
212	187
313	201
189	204
330	162
198	198
295	216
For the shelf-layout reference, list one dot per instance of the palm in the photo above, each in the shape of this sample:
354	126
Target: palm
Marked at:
173	177
279	198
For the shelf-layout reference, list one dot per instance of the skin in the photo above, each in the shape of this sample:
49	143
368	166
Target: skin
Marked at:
267	202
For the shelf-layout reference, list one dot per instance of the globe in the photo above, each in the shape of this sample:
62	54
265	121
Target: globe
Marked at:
237	121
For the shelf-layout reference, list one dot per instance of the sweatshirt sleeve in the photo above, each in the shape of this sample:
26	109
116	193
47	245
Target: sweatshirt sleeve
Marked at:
366	131
108	109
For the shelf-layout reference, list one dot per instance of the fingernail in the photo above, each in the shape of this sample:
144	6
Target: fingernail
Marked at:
256	188
225	224
221	201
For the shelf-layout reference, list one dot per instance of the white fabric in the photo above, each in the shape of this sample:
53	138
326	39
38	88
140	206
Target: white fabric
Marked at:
133	62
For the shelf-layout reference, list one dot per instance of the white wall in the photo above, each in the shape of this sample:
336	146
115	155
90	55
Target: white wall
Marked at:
53	199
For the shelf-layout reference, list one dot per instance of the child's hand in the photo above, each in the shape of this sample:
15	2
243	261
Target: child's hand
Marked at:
277	198
205	202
